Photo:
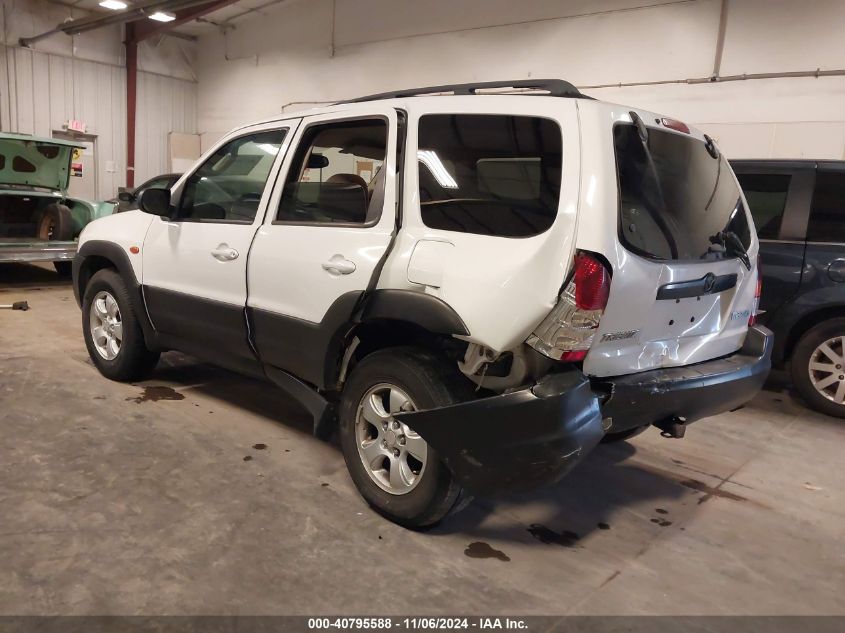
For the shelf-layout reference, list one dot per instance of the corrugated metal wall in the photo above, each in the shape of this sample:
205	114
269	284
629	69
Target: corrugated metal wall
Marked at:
41	91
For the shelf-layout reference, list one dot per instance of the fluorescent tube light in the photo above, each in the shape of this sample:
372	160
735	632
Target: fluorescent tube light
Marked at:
161	16
430	159
114	5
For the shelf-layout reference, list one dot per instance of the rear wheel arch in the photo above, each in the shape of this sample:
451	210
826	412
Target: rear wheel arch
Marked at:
806	323
424	310
375	335
388	318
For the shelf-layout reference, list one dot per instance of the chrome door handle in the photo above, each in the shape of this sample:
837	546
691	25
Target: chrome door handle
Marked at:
339	265
224	253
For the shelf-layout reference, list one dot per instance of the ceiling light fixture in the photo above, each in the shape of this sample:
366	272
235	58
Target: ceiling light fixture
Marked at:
114	5
161	16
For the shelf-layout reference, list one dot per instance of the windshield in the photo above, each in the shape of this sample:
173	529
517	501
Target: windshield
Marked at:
676	201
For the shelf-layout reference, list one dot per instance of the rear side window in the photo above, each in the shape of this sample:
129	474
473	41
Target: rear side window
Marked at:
336	176
766	197
676	200
489	174
827	213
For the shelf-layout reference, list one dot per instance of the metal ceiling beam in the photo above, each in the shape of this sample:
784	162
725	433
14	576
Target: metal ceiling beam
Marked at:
138	11
137	31
151	28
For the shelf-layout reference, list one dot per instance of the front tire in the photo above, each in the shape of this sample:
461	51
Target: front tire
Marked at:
818	367
394	469
111	329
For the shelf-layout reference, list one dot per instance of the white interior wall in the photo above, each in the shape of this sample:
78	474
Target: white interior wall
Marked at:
84	78
297	52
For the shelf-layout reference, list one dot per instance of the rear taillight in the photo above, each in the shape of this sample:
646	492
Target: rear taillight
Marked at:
592	283
567	332
755	307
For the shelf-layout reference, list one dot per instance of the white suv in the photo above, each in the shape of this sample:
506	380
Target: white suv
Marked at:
474	288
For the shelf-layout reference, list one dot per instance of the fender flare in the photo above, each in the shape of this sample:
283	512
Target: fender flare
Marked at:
118	257
427	311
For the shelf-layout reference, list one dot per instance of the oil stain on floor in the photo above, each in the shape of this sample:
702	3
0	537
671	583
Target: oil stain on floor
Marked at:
479	549
156	393
550	537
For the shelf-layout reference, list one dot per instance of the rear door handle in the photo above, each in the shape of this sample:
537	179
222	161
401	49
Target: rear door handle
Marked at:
339	265
224	253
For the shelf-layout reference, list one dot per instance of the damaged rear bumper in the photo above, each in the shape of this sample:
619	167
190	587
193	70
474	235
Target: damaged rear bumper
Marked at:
516	440
665	396
536	435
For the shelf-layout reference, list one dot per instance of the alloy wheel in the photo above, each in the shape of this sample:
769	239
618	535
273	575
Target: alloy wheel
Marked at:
393	455
827	369
106	325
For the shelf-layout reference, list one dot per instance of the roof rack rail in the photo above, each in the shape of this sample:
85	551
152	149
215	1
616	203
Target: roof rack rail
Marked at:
554	88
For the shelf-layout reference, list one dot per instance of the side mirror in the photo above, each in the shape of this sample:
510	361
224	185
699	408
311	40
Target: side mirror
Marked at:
156	202
126	196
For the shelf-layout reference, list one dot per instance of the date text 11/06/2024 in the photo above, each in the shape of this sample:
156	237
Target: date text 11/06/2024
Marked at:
417	623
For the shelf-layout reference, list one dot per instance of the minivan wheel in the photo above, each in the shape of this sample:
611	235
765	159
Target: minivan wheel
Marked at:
818	367
111	330
394	469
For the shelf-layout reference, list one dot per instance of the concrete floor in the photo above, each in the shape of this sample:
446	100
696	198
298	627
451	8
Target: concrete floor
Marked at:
116	503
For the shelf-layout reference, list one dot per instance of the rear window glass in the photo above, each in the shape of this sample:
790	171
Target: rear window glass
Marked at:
766	197
489	174
676	201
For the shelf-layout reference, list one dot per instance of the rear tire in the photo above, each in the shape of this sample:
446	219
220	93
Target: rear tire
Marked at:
823	346
112	331
621	436
64	269
404	379
56	223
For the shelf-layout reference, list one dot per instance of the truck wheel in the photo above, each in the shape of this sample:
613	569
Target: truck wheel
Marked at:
112	332
394	469
818	367
621	436
56	223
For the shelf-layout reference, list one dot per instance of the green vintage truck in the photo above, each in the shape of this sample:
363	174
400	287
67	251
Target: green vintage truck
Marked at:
39	222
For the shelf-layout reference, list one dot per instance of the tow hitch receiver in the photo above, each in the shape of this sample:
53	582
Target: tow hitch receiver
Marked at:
673	427
523	439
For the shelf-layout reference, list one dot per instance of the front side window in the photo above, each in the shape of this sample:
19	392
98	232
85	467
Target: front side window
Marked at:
489	174
827	213
766	197
337	174
228	186
676	200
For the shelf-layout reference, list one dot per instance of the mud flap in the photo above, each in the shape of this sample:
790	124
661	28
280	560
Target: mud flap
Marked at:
517	440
